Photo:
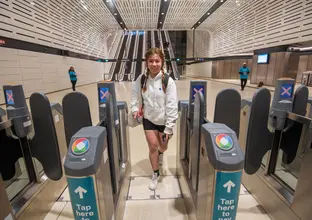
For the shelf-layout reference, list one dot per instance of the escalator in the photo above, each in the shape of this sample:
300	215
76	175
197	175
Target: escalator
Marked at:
149	40
120	56
167	55
156	37
138	69
130	57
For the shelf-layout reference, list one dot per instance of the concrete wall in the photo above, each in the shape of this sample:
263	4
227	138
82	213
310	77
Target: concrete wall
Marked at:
281	64
229	69
202	48
39	72
305	64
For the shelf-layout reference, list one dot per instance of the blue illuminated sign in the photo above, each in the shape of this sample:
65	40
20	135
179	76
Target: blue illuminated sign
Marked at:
286	91
226	195
83	198
9	97
103	92
196	89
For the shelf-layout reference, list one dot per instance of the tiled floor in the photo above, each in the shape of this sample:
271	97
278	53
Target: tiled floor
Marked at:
166	202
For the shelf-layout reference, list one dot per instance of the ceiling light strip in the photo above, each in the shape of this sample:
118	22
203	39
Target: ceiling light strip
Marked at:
110	4
164	5
211	10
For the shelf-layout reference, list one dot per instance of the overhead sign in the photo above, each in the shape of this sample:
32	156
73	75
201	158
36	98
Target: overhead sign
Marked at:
9	97
103	94
226	195
286	91
196	89
83	198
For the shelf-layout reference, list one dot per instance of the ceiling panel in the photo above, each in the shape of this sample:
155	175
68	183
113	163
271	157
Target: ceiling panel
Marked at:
244	25
75	25
139	14
184	14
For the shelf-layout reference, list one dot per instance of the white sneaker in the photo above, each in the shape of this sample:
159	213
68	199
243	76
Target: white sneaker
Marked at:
161	159
153	184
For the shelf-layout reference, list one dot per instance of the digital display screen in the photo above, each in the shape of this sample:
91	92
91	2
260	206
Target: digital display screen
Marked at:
9	99
103	92
263	58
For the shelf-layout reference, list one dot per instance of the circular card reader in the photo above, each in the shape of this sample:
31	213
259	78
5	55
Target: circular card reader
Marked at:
80	146
224	142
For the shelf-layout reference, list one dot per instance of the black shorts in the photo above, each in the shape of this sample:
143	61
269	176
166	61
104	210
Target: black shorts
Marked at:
147	125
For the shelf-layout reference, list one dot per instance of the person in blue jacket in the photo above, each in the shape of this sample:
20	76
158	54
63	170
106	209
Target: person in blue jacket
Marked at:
243	72
73	77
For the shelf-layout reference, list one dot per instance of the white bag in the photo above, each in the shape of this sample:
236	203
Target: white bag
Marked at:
132	122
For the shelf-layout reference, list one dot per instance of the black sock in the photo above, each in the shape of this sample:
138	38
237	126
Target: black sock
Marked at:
160	152
156	171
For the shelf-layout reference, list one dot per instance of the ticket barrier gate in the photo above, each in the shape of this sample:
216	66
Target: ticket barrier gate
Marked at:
119	127
277	147
30	137
189	145
87	170
220	164
76	120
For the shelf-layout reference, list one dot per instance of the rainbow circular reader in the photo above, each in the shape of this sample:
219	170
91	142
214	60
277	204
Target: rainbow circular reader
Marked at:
224	142
80	146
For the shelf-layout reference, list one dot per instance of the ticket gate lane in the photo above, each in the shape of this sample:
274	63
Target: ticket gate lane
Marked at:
196	137
222	162
18	113
88	175
112	146
270	186
292	134
49	155
228	99
259	115
75	119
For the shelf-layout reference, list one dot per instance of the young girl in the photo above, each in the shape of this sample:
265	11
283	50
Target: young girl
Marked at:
159	109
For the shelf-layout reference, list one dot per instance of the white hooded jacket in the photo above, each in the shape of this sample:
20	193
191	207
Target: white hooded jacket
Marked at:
160	108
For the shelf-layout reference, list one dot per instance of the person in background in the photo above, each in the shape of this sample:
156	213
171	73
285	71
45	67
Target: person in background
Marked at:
159	108
73	77
244	72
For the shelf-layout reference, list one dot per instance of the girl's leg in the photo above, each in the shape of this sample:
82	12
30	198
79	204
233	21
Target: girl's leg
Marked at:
153	144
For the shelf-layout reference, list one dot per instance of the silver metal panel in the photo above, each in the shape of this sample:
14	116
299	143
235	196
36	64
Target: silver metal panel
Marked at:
302	201
268	195
205	186
104	189
124	130
123	193
5	208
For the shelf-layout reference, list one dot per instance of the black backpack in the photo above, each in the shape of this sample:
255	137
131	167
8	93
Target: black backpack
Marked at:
164	81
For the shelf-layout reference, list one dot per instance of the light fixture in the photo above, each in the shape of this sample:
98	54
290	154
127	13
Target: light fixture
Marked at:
208	13
160	22
120	22
115	14
162	13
